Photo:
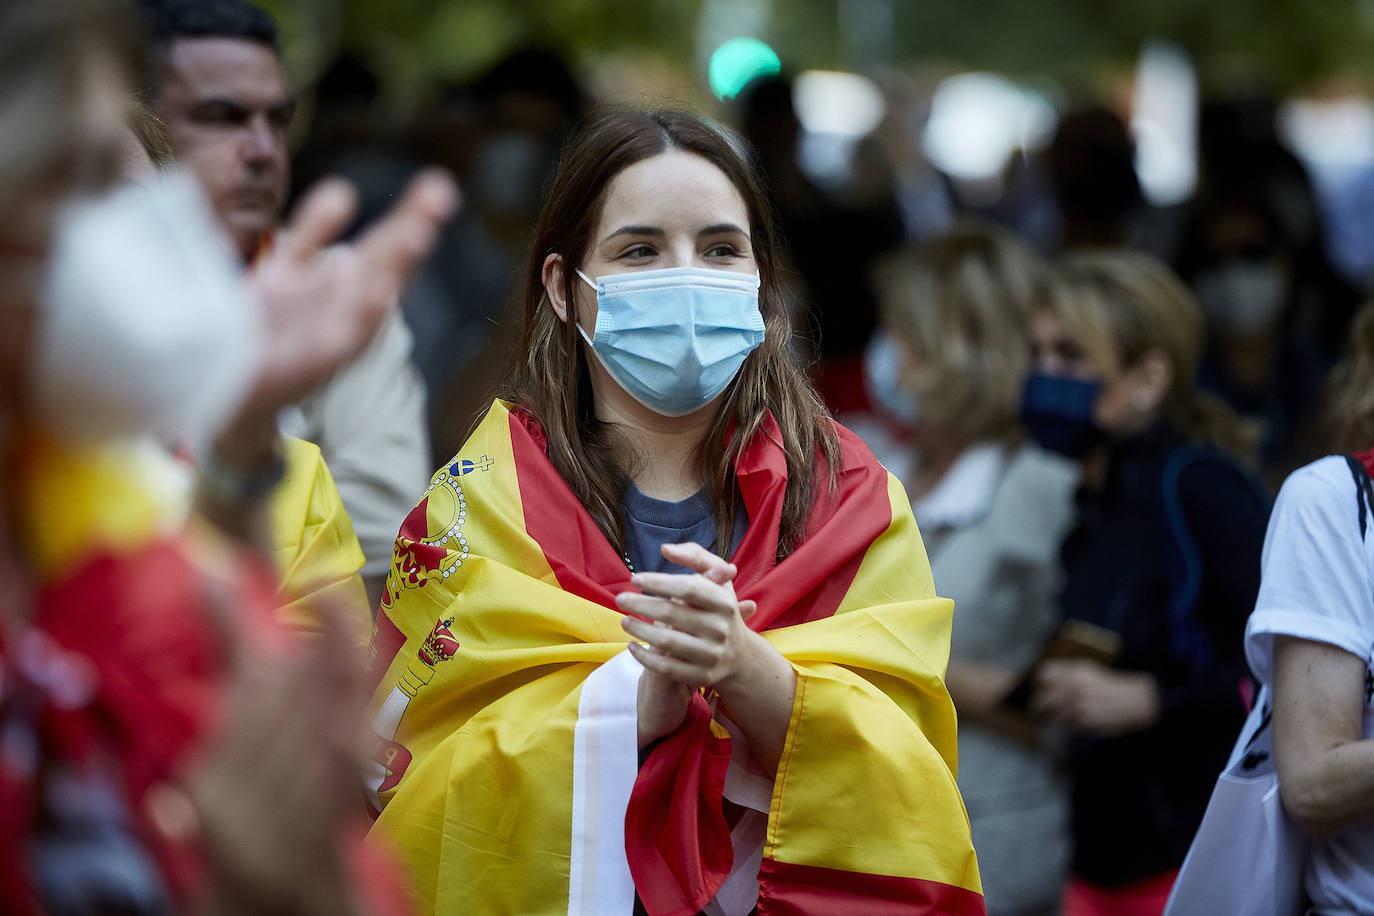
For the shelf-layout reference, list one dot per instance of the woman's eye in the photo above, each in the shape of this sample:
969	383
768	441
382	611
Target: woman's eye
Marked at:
723	251
639	251
1071	352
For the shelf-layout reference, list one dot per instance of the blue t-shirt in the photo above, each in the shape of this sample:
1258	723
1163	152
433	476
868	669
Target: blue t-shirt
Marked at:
650	523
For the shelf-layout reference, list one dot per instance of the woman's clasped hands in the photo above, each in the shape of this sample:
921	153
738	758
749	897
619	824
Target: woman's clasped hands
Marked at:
692	634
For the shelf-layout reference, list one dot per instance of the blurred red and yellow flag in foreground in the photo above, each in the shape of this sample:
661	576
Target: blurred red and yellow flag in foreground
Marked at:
506	768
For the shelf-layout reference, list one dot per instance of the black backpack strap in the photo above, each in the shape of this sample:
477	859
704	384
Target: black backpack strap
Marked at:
1189	638
1364	490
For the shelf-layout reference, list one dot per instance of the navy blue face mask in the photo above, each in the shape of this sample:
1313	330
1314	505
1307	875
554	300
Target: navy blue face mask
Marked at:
1057	412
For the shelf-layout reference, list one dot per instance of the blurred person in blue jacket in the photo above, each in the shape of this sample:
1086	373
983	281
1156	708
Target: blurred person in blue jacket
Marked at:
1164	554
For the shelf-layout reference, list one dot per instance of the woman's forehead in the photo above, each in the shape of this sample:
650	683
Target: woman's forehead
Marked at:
672	190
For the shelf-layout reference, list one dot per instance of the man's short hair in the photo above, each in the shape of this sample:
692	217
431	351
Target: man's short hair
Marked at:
172	19
168	20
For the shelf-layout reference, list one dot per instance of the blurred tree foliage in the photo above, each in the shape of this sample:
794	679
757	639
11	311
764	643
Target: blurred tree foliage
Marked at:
412	42
1293	42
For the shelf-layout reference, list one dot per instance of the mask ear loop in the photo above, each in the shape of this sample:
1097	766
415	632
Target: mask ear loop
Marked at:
596	289
591	346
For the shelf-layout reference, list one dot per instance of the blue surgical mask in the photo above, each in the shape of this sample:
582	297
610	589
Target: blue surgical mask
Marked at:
675	338
1058	413
883	364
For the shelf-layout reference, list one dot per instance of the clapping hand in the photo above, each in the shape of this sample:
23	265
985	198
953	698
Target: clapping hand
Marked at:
693	634
322	302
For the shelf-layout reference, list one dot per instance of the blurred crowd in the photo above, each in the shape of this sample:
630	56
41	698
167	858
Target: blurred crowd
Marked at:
225	377
1253	242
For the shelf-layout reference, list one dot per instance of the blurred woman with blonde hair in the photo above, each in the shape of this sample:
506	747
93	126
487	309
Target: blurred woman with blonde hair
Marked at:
1164	554
992	510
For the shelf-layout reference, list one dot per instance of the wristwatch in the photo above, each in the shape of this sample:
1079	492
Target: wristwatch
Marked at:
233	485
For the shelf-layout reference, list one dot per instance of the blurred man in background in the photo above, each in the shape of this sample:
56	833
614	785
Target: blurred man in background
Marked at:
220	88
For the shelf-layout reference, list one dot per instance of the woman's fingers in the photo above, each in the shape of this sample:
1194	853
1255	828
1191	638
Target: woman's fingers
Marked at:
680	645
698	591
698	559
692	616
722	573
710	624
676	669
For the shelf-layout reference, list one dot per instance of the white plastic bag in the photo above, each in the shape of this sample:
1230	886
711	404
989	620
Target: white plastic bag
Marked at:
1247	858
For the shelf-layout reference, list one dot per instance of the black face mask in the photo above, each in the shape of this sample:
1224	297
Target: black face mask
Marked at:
1057	412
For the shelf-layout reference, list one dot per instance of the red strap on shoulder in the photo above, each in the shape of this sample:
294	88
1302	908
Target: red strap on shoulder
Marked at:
1367	459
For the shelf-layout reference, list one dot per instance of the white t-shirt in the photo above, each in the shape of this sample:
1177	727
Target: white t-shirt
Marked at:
1317	585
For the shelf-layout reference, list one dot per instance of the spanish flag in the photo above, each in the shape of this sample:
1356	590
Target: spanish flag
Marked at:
314	548
505	762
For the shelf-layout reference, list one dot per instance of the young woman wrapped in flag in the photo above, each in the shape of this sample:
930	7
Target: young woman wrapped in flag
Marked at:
662	637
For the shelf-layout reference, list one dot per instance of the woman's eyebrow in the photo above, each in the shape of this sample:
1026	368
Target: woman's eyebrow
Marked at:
634	230
722	229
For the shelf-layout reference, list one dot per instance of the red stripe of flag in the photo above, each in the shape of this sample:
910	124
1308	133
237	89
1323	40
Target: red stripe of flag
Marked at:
812	582
581	558
805	890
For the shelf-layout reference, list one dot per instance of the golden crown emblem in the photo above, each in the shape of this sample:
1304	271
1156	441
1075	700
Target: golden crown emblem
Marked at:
440	644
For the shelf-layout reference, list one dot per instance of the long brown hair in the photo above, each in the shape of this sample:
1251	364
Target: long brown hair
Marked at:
551	378
1133	303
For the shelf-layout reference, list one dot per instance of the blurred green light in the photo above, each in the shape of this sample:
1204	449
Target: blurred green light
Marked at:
738	61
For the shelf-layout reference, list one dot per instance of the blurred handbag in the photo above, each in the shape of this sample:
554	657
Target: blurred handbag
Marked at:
1248	857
